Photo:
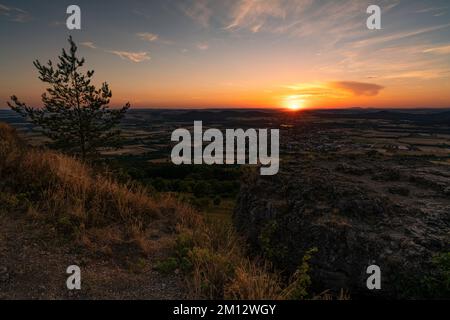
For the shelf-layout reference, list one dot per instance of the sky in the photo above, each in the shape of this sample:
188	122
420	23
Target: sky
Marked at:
238	53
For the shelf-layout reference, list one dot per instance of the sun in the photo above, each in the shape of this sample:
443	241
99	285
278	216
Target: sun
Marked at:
294	102
294	106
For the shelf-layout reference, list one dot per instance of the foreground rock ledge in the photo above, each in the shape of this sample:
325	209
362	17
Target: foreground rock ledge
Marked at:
395	214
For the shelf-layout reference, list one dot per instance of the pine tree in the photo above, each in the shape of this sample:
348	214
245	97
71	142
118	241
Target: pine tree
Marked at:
75	116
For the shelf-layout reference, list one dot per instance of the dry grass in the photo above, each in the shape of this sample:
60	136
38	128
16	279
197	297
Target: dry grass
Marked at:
220	268
60	190
97	212
254	282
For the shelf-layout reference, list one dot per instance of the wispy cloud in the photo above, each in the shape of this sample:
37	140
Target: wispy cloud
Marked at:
148	36
142	14
439	14
445	49
399	35
302	18
197	10
57	23
202	46
14	14
88	44
253	13
357	88
427	74
390	6
331	90
436	11
132	56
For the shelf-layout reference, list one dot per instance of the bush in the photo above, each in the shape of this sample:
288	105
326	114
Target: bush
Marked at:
167	266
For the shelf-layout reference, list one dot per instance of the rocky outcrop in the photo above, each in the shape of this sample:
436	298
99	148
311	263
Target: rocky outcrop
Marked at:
353	213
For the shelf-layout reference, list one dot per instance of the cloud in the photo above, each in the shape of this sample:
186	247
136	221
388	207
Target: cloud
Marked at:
153	37
311	90
390	6
399	35
253	13
302	18
420	74
256	28
137	56
14	14
57	23
202	46
197	10
434	10
148	36
132	56
439	50
357	88
331	90
88	44
142	14
440	14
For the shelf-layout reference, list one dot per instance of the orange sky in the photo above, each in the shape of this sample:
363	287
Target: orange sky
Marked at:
240	53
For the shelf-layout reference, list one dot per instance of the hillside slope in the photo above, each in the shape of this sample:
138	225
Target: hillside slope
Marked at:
56	212
130	243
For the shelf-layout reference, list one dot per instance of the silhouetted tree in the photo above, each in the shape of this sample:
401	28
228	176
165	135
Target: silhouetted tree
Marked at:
75	115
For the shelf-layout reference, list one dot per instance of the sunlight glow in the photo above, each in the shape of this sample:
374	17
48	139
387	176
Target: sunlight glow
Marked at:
293	103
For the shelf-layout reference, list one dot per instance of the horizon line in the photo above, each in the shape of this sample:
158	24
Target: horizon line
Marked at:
273	108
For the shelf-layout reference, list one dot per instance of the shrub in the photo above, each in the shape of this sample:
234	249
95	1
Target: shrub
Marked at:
167	266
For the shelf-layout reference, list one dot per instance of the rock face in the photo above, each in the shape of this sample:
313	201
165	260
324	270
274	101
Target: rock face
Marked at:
354	213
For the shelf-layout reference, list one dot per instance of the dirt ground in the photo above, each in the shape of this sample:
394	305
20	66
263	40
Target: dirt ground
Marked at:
33	266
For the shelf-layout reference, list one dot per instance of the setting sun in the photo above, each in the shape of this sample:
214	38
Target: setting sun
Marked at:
293	103
294	106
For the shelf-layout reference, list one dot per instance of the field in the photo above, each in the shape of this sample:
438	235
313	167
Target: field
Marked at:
145	155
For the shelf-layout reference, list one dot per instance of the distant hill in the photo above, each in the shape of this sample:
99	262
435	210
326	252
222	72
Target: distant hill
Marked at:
422	116
218	115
